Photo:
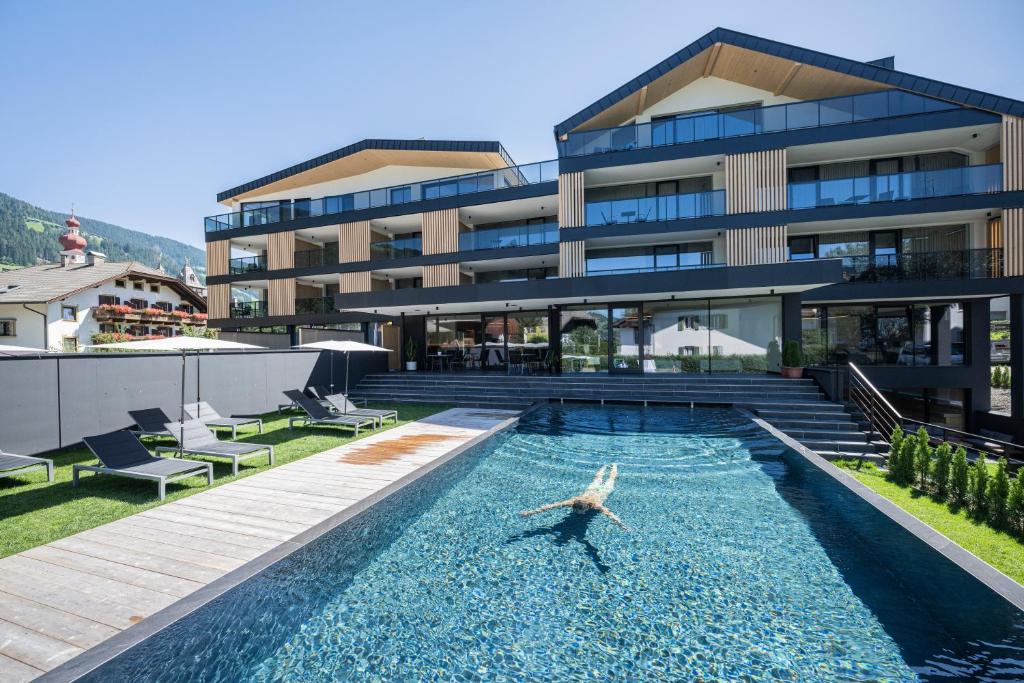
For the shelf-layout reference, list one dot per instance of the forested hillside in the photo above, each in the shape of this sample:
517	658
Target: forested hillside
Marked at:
29	234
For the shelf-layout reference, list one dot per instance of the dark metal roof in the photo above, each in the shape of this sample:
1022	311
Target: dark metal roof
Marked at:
485	146
865	70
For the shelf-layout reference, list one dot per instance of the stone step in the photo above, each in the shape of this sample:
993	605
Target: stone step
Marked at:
837	424
730	392
819	445
847	455
497	379
801	434
816	412
559	388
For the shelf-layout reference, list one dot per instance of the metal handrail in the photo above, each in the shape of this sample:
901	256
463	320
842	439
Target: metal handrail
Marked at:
883	417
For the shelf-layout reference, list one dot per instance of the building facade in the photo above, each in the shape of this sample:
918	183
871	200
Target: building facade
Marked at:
62	306
740	194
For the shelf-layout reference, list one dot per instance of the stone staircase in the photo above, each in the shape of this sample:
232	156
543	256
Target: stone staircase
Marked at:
796	407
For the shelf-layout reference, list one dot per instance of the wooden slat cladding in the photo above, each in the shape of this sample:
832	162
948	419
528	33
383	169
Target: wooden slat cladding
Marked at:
281	297
1012	144
441	231
571	210
995	233
755	181
350	283
217	255
280	250
354	243
441	275
218	301
1013	241
572	259
755	246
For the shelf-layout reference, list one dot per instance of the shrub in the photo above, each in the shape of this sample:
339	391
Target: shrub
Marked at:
791	354
895	446
940	474
907	460
999	494
1015	504
922	458
958	478
979	486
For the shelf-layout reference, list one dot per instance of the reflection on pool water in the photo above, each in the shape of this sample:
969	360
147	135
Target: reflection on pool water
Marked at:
740	565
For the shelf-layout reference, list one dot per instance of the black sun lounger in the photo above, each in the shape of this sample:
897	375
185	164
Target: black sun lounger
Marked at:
150	421
123	455
12	465
205	413
346	407
316	414
198	439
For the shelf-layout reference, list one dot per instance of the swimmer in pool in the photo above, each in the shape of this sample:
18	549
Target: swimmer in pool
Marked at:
591	499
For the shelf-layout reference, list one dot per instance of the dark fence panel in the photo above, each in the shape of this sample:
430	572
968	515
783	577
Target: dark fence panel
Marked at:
54	401
28	406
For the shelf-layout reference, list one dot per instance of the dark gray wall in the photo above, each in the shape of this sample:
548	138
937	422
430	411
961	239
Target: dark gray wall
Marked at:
53	401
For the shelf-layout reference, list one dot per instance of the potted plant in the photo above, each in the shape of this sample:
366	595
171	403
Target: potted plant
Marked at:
792	360
411	352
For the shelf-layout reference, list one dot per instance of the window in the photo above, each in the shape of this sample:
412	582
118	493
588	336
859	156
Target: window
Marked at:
718	321
163	306
689	322
109	300
155	289
802	248
138	304
69	344
120	283
69	313
108	327
401	195
138	286
689	350
8	327
187	308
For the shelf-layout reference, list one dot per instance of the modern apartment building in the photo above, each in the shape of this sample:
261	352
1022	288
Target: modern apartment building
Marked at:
739	194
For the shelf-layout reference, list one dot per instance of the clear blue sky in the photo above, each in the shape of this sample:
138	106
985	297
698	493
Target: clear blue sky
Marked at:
140	112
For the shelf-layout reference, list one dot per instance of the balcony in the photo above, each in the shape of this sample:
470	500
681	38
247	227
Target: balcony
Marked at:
249	309
508	237
247	264
403	247
312	258
897	187
754	121
482	181
314	306
645	209
969	264
705	262
133	314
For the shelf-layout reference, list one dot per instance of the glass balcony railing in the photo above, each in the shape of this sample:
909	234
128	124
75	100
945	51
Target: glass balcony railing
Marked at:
314	306
897	186
403	247
667	208
312	258
968	264
511	236
247	264
512	176
249	309
706	263
754	121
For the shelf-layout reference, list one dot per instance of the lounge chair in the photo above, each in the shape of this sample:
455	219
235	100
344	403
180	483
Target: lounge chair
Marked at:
316	414
150	422
323	393
205	413
198	439
12	465
123	455
344	406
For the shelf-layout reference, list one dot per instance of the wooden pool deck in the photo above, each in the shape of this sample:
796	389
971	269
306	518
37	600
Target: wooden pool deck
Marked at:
60	599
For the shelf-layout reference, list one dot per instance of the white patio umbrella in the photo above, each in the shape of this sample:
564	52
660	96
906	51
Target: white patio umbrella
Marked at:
183	344
341	346
8	350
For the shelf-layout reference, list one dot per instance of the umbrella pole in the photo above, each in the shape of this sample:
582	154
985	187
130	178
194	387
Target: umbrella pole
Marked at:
332	372
347	354
181	416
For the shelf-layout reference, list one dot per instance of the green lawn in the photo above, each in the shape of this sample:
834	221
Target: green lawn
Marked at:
33	511
999	549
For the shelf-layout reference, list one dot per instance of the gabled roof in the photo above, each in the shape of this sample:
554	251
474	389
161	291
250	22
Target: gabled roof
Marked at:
862	71
52	281
471	153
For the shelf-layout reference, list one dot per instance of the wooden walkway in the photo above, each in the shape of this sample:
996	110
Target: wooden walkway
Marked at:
62	598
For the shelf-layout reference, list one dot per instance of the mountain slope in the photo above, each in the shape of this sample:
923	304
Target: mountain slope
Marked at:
29	233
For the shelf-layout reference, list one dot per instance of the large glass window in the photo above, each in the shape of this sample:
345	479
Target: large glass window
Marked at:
528	340
742	334
451	339
584	336
625	348
676	336
494	342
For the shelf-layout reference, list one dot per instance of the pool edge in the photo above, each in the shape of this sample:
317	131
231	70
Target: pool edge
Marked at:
105	651
992	578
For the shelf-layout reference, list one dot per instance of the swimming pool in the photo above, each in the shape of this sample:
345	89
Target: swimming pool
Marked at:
743	563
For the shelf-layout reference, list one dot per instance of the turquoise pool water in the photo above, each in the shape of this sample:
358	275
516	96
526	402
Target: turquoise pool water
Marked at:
742	563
